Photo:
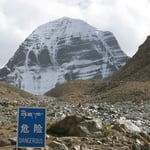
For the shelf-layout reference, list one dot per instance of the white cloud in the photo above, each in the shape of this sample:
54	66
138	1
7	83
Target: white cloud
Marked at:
128	20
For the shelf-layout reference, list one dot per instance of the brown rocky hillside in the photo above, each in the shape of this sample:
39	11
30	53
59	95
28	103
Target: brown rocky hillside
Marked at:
9	94
72	90
138	68
121	91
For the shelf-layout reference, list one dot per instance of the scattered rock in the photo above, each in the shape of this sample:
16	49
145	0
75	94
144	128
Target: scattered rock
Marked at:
80	147
4	142
13	140
126	126
57	146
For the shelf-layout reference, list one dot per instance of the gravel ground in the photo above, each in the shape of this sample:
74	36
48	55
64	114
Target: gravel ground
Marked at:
138	113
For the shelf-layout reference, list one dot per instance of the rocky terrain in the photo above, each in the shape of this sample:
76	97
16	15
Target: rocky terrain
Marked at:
120	125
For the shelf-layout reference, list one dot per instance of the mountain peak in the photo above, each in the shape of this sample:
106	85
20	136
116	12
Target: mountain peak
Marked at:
62	50
71	20
67	18
66	26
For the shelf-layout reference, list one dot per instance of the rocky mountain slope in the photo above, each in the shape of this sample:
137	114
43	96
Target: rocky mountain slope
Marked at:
101	90
72	90
63	50
11	93
132	82
137	68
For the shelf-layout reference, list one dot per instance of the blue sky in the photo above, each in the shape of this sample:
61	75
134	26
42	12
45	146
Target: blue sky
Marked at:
129	20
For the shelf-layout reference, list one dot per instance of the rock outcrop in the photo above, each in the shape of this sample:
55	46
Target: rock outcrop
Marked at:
76	125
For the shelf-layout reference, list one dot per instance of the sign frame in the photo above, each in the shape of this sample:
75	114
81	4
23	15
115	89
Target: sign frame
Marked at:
29	119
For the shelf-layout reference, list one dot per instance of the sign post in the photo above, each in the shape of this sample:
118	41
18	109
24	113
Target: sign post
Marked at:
31	127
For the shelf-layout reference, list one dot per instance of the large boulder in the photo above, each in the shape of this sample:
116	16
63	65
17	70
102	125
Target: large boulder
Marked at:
76	125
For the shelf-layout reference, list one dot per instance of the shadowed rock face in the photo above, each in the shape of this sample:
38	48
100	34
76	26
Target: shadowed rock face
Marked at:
63	50
44	58
33	60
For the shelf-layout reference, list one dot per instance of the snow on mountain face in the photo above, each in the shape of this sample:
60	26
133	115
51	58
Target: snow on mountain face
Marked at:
63	50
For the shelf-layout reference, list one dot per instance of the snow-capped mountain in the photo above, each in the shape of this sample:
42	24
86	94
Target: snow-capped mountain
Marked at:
63	50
